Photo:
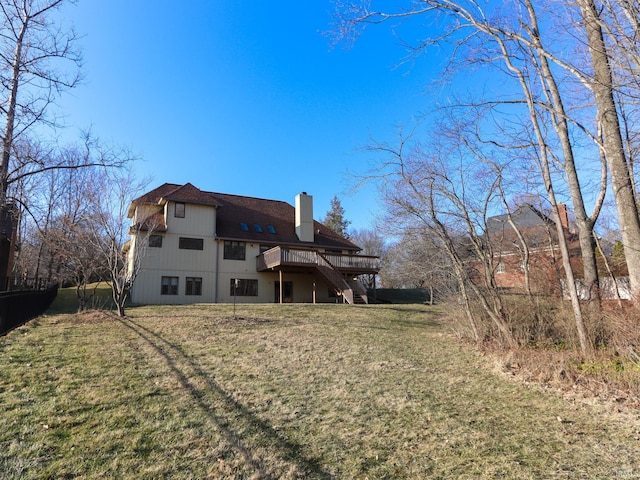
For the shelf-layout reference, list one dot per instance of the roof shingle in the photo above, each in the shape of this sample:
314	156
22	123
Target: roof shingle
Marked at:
234	210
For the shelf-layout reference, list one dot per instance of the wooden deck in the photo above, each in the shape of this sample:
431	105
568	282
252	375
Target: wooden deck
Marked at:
337	269
281	258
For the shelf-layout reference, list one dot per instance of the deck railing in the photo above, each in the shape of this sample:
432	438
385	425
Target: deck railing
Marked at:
358	262
279	256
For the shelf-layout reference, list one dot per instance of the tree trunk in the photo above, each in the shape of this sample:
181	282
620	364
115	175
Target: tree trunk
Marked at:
602	88
7	140
583	222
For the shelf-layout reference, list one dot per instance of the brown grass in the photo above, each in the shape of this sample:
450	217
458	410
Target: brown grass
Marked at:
285	391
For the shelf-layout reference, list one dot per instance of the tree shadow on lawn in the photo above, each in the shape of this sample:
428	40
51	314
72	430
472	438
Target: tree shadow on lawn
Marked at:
288	451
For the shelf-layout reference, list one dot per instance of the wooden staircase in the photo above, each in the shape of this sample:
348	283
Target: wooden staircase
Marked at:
351	291
337	269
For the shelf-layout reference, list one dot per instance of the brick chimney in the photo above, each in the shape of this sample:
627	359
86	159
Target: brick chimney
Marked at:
564	216
304	217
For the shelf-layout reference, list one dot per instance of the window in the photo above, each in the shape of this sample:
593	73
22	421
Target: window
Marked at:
271	229
257	227
244	227
180	208
234	250
186	243
194	286
169	286
245	288
500	267
264	248
155	241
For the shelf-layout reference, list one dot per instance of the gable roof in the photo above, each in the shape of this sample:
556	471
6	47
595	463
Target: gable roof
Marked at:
525	216
186	193
237	217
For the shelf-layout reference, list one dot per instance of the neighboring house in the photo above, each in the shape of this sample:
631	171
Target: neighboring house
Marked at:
195	246
540	234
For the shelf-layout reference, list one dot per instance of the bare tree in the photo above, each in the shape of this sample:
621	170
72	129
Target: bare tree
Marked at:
110	199
602	84
418	260
53	202
560	85
372	243
428	188
37	61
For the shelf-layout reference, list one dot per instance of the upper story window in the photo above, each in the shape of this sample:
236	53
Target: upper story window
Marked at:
155	241
180	209
187	243
234	250
264	248
271	229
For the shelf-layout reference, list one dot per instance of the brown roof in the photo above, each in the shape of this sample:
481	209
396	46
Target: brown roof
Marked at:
176	193
248	218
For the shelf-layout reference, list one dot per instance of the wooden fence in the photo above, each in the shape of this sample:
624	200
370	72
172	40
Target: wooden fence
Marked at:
17	308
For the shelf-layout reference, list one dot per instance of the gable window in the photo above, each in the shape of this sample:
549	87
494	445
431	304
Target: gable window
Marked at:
234	250
169	286
155	241
186	243
245	288
194	286
180	208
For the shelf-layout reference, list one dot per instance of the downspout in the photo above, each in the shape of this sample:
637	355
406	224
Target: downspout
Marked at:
217	270
217	267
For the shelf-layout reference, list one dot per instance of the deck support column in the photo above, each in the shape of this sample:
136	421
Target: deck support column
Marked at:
281	285
314	292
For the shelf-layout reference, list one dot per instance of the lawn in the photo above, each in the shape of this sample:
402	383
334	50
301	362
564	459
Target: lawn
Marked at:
285	391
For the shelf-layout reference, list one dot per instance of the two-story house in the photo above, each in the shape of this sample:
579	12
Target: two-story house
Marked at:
193	246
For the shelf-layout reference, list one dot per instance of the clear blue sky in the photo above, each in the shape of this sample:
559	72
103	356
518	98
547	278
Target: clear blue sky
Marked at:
243	96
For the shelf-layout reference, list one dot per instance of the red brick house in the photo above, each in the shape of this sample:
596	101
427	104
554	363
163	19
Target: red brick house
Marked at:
540	235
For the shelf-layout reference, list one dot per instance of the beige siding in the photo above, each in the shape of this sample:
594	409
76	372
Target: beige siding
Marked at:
209	264
199	220
171	261
142	212
147	288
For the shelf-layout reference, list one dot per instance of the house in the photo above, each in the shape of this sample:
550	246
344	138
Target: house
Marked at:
192	246
540	235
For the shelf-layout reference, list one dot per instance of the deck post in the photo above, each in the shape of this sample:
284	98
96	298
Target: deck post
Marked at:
281	285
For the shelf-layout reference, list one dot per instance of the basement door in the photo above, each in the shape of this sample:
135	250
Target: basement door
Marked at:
287	292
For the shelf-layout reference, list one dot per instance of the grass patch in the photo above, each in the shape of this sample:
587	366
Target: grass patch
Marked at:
67	301
284	391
